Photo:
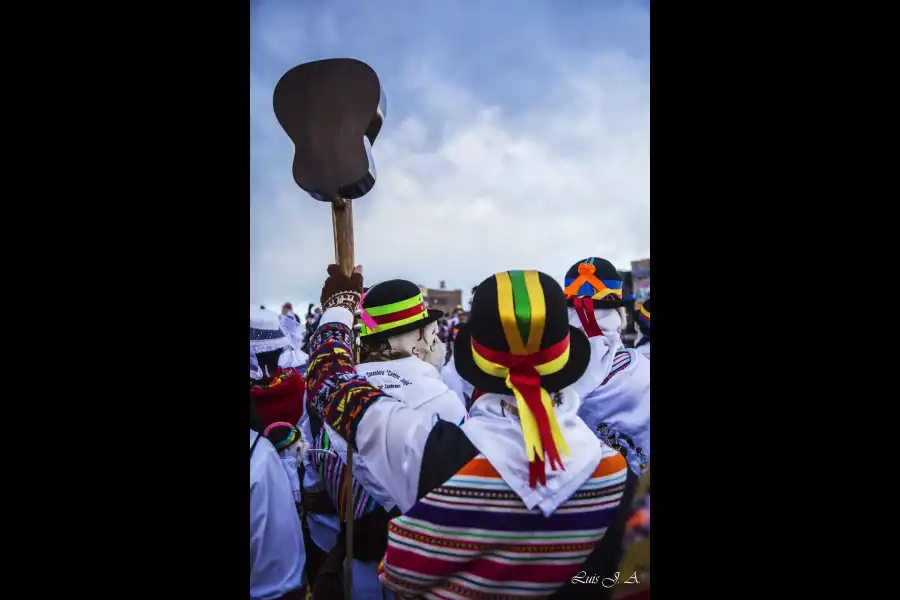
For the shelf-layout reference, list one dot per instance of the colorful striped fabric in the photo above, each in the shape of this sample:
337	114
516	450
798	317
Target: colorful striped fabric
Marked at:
340	396
331	469
621	360
473	537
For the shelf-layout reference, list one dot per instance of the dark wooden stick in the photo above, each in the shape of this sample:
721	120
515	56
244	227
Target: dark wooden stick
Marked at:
348	486
342	221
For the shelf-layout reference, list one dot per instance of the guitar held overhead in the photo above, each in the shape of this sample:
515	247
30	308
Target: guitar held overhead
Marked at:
332	110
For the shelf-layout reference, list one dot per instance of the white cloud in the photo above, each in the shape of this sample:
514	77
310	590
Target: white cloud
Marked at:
467	188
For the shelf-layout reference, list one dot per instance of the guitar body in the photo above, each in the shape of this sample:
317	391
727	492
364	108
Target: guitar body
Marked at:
332	110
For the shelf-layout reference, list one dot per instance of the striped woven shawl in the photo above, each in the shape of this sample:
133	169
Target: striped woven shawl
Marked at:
331	469
473	537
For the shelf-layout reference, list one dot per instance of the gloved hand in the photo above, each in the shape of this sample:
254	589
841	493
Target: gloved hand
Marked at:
340	290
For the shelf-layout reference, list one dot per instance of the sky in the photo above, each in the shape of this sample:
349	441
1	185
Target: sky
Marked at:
517	137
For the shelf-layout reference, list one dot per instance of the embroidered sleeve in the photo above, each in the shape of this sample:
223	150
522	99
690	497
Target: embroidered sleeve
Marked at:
335	390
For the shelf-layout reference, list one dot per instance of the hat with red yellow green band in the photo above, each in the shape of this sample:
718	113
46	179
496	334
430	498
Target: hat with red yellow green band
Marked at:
518	342
393	307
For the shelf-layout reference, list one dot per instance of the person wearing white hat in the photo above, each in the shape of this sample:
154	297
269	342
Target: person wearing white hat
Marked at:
276	387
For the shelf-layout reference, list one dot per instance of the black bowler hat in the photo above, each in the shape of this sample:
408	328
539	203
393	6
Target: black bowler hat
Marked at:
514	314
518	342
281	435
393	307
595	278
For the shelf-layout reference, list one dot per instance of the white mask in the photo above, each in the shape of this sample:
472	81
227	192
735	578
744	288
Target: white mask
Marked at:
423	343
299	448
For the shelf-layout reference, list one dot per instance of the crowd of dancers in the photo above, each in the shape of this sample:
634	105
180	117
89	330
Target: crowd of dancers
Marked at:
499	453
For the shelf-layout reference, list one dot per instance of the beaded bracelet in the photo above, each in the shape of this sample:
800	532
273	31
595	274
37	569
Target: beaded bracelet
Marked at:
347	299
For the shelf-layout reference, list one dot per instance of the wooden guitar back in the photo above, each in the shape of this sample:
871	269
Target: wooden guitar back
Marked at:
332	110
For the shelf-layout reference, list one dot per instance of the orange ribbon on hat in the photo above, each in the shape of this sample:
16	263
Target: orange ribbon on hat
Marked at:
585	275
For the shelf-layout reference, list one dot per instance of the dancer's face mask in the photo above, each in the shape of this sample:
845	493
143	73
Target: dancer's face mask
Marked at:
423	343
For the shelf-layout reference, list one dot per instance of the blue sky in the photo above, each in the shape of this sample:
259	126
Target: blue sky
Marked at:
517	137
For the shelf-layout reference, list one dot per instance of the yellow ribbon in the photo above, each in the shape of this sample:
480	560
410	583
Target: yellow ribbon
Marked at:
526	417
